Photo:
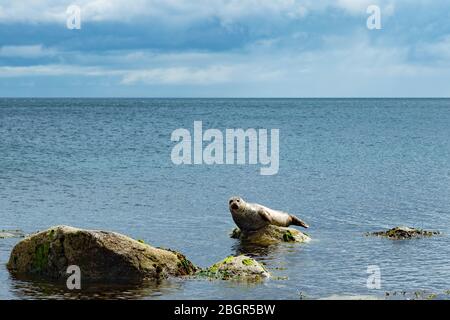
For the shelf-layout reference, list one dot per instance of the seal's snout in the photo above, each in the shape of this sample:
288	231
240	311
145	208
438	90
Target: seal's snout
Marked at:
234	203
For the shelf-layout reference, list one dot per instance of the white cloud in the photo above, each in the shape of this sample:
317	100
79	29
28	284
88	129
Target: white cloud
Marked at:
212	74
354	6
259	64
32	11
438	51
347	65
350	66
174	11
125	10
54	70
183	75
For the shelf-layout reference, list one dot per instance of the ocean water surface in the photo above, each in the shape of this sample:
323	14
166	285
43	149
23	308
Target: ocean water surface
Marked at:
347	167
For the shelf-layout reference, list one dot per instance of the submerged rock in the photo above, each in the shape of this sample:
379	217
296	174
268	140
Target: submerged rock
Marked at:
236	268
101	256
270	234
11	234
399	233
417	295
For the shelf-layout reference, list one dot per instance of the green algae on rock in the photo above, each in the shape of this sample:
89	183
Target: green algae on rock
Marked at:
240	268
101	256
270	235
400	233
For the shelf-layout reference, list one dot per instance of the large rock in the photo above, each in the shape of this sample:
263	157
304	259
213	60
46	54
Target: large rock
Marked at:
101	256
270	235
240	268
400	233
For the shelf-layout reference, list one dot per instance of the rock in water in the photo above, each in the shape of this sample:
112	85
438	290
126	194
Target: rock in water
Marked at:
236	268
11	234
102	256
400	233
270	235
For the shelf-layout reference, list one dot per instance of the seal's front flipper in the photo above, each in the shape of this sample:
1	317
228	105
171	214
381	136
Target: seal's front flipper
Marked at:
297	222
265	215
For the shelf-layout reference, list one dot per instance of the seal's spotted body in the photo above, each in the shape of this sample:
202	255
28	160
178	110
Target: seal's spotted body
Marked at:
253	216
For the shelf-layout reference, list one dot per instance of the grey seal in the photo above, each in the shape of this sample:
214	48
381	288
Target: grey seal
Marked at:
253	216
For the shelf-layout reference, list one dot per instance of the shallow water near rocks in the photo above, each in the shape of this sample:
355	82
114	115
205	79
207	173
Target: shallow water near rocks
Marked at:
347	167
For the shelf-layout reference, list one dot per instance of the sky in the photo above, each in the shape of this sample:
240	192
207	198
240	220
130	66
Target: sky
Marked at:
225	48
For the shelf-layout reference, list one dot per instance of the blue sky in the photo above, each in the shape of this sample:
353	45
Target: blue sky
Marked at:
225	48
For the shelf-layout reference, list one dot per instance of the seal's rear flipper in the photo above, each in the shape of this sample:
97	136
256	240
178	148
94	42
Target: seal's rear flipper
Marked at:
297	222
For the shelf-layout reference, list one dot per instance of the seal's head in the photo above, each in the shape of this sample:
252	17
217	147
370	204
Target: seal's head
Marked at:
236	204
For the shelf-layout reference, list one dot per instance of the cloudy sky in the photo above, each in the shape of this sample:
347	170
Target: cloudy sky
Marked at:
225	48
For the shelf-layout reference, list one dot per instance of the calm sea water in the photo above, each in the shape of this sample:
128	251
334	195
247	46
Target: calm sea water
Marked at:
347	166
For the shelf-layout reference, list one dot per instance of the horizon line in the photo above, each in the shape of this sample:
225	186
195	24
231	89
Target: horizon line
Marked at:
137	97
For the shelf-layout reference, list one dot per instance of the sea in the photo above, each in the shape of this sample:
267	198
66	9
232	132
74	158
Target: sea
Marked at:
346	167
